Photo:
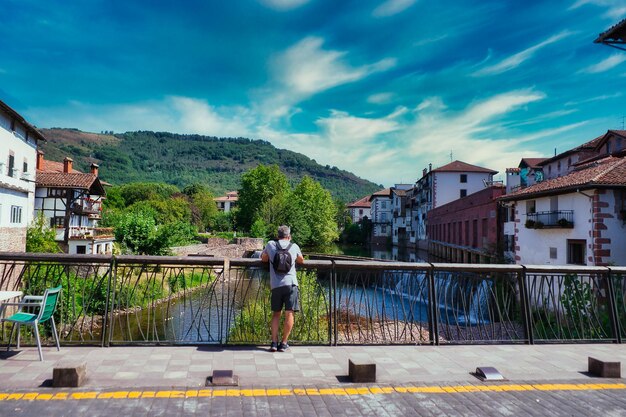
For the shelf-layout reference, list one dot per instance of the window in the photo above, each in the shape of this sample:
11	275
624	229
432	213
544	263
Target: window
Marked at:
383	217
463	178
58	221
25	167
383	228
383	204
11	165
463	193
81	249
530	206
576	252
56	192
360	212
16	214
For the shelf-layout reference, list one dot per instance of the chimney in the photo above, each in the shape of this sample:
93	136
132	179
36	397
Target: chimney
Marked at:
39	164
94	169
67	165
430	167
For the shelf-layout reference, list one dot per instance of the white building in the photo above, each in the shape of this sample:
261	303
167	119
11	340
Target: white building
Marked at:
442	185
360	209
381	204
577	215
228	202
71	202
18	153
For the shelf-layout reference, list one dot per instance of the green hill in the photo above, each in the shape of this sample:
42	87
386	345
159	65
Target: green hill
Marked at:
185	159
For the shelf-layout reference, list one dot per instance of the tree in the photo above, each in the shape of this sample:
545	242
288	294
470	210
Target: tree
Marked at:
312	213
40	238
258	186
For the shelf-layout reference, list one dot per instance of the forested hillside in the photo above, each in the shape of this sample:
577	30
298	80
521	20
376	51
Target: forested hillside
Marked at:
186	159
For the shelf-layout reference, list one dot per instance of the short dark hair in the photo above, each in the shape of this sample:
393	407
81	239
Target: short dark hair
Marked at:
283	232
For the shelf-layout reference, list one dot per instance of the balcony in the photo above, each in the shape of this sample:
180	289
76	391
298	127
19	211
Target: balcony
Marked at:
87	207
561	219
90	232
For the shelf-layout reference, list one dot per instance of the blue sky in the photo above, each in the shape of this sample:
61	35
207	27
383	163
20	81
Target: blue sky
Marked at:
378	87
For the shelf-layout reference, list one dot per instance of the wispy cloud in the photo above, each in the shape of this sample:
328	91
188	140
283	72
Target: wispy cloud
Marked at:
283	5
392	7
606	64
592	99
519	58
380	98
306	69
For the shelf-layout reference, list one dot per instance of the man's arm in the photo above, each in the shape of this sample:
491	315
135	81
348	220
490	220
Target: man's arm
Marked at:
299	259
265	257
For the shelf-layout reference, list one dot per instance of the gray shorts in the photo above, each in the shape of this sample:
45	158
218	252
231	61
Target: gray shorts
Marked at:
286	295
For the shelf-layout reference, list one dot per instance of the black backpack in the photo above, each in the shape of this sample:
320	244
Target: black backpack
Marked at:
282	259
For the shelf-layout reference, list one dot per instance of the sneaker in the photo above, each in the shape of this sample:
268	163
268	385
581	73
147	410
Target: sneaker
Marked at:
282	347
273	347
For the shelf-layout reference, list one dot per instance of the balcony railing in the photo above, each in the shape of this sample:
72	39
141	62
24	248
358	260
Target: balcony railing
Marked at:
81	232
550	219
155	300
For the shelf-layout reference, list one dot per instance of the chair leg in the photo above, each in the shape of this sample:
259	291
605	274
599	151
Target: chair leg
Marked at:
11	336
17	345
56	335
38	342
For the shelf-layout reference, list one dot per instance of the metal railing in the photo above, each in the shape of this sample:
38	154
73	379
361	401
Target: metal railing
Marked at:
110	300
552	219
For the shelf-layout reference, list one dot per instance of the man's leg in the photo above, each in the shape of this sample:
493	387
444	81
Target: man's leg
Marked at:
287	325
275	323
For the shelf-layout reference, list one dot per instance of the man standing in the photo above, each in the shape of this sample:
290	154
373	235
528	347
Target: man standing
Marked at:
283	256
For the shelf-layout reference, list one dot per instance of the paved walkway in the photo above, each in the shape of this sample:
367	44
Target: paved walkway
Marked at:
412	380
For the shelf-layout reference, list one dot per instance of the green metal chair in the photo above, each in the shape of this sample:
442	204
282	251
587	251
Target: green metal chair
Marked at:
33	310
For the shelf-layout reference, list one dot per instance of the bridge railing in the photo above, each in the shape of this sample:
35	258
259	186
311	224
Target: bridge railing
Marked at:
203	300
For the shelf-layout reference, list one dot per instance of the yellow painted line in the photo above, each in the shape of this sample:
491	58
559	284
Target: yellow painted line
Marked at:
273	392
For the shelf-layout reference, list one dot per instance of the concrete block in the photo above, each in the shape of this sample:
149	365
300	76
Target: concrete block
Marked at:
69	374
604	369
361	371
224	377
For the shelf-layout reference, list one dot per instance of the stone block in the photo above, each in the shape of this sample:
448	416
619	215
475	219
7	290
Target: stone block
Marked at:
605	369
69	374
360	371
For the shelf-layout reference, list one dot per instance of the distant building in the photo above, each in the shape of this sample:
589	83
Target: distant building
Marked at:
615	36
577	214
381	216
440	186
401	228
18	153
71	202
360	209
228	202
468	230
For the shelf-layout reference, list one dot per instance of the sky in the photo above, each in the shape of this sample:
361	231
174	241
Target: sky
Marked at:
381	88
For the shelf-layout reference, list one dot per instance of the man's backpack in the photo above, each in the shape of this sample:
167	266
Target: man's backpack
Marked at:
282	259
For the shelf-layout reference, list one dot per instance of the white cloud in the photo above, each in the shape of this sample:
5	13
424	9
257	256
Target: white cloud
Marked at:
380	98
283	5
392	7
606	64
596	98
519	58
306	69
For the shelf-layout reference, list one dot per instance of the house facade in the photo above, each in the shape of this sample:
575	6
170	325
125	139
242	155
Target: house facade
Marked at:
18	154
360	209
401	225
577	214
440	186
228	202
71	202
381	209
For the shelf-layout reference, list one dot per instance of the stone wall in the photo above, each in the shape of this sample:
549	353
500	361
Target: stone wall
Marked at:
12	239
219	247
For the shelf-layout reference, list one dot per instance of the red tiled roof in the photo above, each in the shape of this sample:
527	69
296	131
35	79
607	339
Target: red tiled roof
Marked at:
65	180
460	166
398	191
53	166
382	193
614	34
610	171
361	202
230	196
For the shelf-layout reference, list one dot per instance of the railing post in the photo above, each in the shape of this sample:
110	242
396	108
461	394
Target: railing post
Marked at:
107	326
613	313
433	316
525	301
333	329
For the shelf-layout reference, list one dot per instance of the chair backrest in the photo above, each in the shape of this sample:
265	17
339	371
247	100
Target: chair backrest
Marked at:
50	300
